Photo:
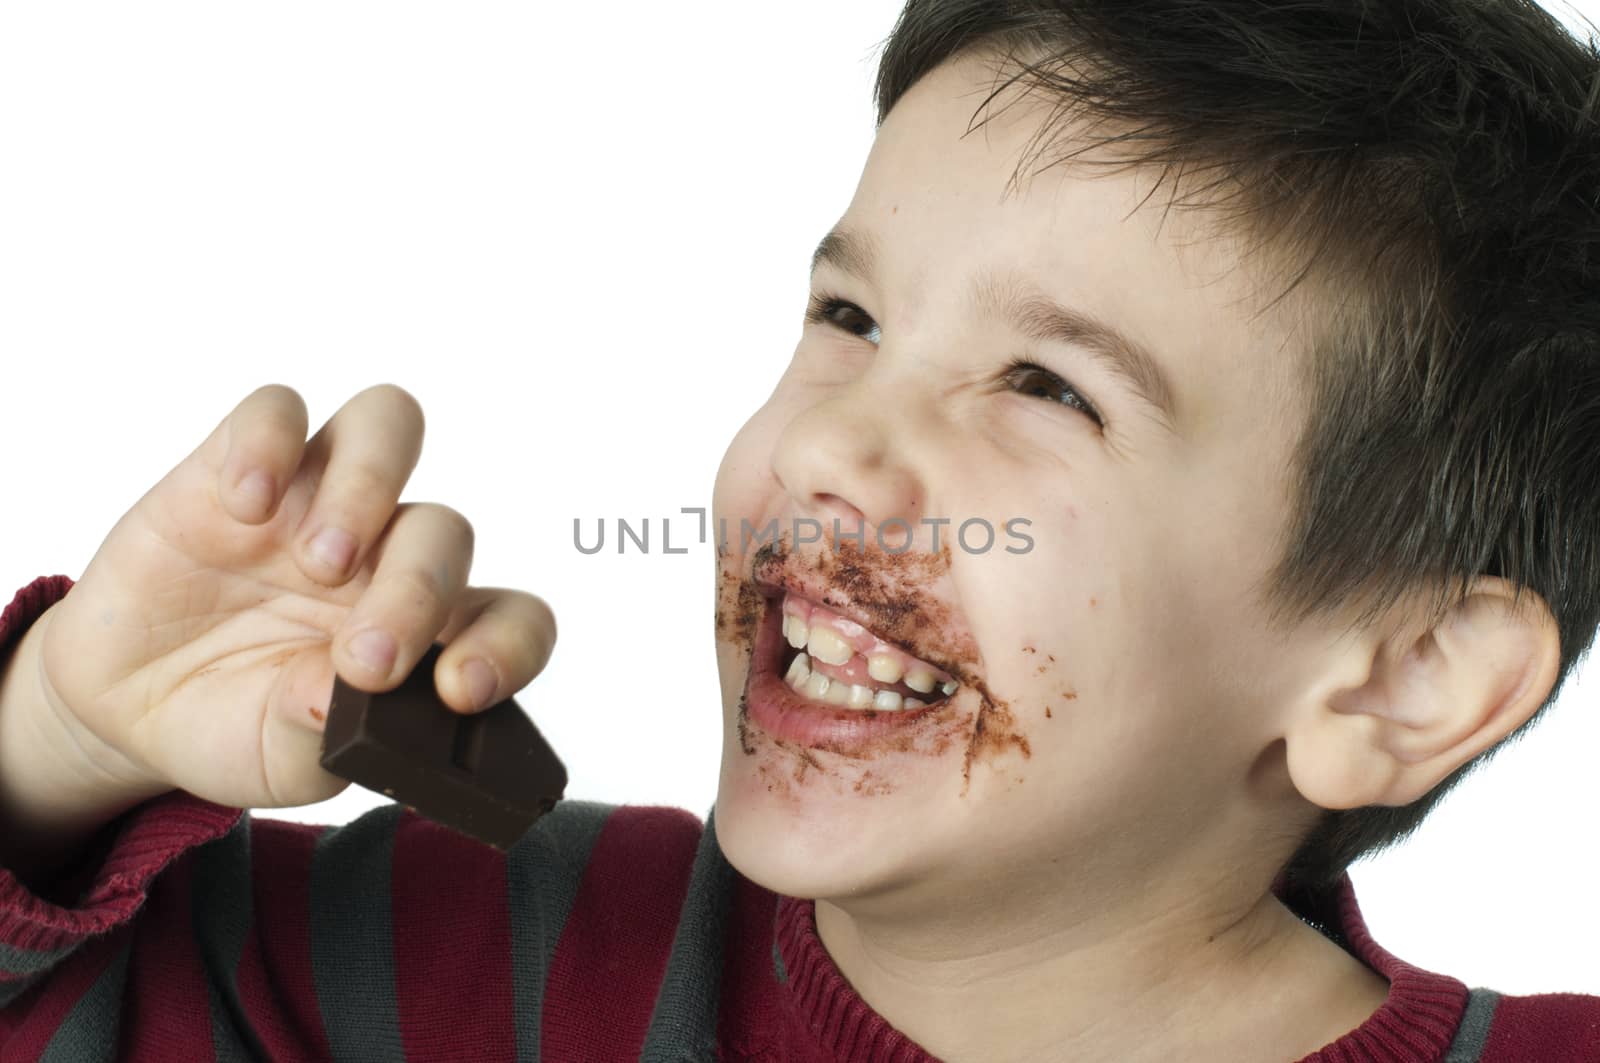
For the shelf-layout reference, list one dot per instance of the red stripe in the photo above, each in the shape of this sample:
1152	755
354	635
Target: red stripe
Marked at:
1544	1026
275	982
750	1024
452	945
613	950
167	1014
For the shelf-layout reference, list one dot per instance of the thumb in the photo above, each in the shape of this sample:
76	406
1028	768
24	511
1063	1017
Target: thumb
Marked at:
291	735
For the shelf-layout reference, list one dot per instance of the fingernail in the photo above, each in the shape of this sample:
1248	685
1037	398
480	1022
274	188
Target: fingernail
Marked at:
333	548
375	649
255	490
480	681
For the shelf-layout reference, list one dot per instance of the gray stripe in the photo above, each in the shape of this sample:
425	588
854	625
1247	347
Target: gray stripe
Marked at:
543	872
89	1032
222	897
1473	1032
780	971
10	991
28	962
683	1026
352	942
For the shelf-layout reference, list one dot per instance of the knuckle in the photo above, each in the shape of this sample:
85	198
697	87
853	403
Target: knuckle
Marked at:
280	404
357	496
397	401
405	604
541	613
515	627
452	520
265	434
535	621
419	589
276	392
273	428
368	482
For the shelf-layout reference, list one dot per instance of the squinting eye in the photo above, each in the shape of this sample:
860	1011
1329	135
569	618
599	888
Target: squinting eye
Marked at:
825	309
1031	379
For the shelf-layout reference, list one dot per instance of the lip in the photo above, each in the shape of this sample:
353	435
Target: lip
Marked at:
774	706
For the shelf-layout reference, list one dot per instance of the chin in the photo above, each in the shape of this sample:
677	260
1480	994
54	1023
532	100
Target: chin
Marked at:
827	788
765	844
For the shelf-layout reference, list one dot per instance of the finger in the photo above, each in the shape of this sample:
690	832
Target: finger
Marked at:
510	632
293	759
265	436
291	735
420	570
367	451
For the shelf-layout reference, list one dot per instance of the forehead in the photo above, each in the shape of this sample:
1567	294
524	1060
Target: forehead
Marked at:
942	208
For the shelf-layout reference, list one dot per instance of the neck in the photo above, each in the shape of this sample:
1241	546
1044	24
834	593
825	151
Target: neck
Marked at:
1178	975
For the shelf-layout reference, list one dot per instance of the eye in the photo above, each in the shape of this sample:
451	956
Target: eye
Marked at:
825	309
1031	379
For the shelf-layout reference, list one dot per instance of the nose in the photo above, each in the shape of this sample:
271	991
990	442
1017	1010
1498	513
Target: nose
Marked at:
837	460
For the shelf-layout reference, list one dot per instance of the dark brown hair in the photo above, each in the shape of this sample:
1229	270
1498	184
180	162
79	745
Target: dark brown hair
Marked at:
1430	169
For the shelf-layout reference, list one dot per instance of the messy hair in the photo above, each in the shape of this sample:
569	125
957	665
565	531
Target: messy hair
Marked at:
1430	170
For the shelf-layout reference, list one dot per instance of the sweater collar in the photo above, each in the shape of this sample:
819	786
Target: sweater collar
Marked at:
1416	1023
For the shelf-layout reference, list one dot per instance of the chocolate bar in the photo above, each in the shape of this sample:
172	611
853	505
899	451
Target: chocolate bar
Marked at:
489	775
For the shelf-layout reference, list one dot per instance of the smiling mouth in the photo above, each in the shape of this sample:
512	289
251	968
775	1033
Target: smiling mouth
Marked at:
830	660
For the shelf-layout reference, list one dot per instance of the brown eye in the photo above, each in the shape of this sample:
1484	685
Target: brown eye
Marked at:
1034	380
827	310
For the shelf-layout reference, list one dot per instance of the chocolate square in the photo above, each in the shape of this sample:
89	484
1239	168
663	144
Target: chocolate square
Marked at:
489	775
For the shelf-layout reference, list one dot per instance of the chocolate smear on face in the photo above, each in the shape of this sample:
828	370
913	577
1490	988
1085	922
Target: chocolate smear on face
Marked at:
805	760
739	610
896	596
745	743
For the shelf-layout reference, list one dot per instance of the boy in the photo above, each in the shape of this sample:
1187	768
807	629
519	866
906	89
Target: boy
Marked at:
1299	485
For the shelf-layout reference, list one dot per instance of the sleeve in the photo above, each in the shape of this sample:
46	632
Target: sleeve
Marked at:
1540	1026
192	931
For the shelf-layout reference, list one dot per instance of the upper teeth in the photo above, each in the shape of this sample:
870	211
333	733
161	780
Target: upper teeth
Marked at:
794	629
883	668
827	646
826	643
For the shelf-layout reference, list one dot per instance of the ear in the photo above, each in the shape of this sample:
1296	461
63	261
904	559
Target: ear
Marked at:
1396	710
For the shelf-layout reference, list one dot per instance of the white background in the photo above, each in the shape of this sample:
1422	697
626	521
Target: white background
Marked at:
579	235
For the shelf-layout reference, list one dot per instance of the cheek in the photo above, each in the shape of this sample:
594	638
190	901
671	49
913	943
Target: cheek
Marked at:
1060	624
745	490
745	482
745	474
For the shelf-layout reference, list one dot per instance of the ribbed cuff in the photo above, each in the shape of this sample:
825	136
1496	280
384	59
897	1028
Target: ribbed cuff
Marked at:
113	874
1419	1018
148	837
1416	1023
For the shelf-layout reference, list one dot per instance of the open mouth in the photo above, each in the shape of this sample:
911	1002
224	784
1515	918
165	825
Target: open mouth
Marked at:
822	680
831	660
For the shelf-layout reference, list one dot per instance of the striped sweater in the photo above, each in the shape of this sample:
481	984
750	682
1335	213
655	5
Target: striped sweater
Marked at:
191	931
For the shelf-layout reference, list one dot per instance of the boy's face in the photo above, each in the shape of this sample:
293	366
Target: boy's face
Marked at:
1119	680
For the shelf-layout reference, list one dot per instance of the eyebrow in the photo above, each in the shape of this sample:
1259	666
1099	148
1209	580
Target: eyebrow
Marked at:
1035	315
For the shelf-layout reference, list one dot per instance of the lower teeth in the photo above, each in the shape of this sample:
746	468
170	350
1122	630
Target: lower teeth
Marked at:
819	687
